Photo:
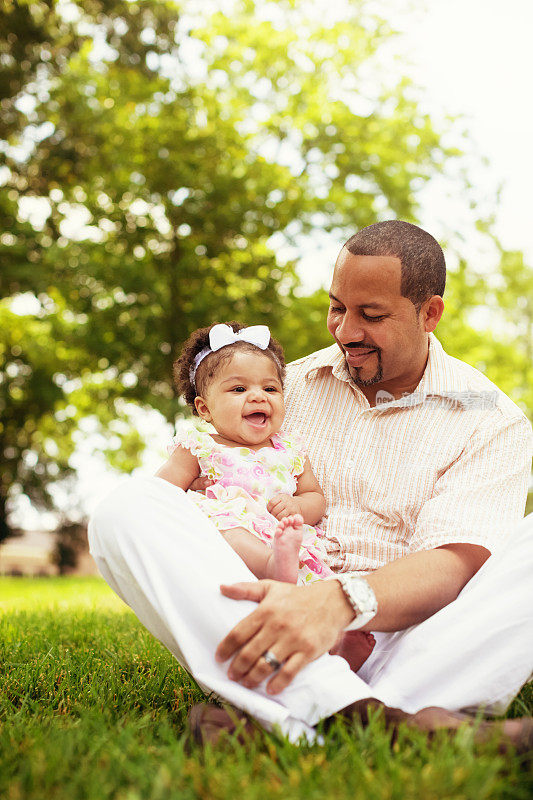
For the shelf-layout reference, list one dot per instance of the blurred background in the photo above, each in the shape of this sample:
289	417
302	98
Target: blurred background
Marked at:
169	164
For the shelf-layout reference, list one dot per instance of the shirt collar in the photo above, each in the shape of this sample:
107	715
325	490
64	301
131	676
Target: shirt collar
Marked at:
332	358
439	379
329	358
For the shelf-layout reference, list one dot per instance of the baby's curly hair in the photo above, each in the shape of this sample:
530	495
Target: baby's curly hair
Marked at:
211	364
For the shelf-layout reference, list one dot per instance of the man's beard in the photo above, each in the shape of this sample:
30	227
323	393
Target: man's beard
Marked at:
355	373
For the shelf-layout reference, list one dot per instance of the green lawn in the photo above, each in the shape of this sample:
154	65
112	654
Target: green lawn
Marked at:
92	707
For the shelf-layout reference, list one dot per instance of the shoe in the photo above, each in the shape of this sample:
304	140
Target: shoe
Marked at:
513	734
209	724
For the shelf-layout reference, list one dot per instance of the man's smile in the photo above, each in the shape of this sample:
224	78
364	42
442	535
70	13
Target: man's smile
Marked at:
356	356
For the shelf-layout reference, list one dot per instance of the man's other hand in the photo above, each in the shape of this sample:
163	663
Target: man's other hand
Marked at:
296	623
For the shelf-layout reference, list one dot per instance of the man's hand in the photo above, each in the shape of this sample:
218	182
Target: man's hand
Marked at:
284	505
296	623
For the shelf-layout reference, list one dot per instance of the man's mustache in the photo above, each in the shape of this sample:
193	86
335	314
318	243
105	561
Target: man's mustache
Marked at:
361	346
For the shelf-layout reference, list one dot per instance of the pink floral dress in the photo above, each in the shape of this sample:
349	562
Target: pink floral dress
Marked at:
245	481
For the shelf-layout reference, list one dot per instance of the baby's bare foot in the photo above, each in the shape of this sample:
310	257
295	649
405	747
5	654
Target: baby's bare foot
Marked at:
287	540
355	647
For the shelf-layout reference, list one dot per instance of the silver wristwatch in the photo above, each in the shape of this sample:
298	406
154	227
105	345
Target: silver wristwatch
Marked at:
361	598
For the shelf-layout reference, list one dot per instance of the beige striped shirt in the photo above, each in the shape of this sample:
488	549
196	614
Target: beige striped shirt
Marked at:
449	463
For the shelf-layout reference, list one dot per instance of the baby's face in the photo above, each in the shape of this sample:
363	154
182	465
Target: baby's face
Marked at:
244	401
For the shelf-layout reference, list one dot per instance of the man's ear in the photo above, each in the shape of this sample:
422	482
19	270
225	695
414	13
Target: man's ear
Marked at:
202	409
431	312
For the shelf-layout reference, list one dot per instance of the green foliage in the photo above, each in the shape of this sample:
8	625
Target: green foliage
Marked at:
34	37
512	298
35	445
92	707
47	385
301	324
186	179
193	143
502	347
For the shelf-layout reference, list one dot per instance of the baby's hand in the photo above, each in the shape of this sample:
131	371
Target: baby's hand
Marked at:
200	484
283	505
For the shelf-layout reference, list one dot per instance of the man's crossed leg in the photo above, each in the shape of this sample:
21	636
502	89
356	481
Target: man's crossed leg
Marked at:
167	561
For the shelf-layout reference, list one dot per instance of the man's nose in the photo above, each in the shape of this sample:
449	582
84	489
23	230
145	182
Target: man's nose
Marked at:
350	330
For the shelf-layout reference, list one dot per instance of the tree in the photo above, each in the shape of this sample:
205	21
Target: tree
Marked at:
512	298
502	345
192	144
183	186
34	449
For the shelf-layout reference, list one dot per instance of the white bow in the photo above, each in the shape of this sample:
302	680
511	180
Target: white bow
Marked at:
222	335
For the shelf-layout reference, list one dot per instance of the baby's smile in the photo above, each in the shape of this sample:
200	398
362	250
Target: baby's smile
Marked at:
257	419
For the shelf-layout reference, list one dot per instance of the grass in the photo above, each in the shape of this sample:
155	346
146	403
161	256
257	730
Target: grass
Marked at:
92	707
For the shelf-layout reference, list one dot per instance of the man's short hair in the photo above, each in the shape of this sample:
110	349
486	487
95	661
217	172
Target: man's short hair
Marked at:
423	265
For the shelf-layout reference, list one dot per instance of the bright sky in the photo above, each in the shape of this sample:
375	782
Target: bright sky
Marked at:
475	59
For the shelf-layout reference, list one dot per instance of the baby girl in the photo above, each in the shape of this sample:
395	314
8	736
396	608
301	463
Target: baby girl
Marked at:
264	497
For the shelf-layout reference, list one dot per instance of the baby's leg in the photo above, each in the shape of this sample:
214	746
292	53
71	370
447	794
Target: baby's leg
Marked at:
256	554
279	563
287	541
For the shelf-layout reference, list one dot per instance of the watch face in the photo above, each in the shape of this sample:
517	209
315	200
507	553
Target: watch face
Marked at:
362	595
362	599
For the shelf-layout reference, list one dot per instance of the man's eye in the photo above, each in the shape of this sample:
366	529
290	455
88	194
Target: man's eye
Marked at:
337	309
373	319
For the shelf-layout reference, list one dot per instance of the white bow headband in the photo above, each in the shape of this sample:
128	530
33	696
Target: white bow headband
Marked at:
222	335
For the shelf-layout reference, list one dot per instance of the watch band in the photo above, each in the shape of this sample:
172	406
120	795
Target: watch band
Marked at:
361	597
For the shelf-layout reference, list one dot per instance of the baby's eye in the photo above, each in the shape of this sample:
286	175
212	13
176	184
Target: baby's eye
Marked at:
238	389
271	389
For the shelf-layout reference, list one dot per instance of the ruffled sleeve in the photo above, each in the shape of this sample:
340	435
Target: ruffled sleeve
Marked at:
191	437
294	445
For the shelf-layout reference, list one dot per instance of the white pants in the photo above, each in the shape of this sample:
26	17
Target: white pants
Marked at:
166	560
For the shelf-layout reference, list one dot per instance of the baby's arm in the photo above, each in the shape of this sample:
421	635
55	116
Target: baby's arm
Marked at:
181	468
308	499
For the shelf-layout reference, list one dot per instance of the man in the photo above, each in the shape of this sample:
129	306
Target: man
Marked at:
424	464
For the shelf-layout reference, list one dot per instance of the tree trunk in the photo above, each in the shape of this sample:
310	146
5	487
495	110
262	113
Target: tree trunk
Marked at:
173	315
5	529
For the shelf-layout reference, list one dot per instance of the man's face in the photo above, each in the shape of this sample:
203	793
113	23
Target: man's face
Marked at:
383	339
